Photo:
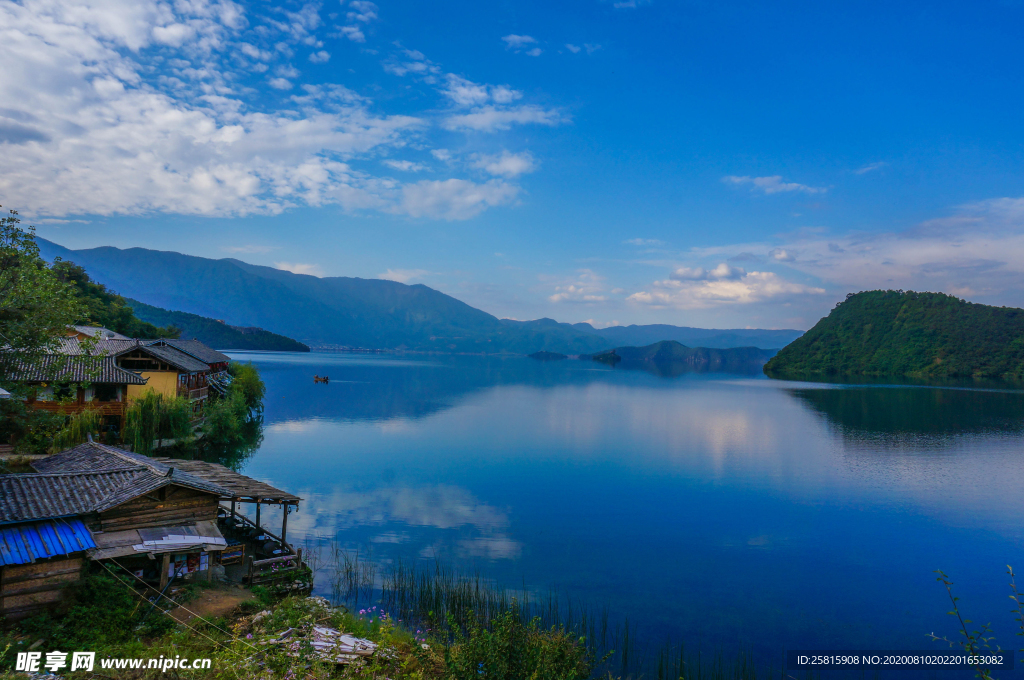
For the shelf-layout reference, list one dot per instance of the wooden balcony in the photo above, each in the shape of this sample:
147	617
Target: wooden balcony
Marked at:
194	394
104	408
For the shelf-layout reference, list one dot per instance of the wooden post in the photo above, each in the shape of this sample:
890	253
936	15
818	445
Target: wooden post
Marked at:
166	565
232	513
258	528
284	526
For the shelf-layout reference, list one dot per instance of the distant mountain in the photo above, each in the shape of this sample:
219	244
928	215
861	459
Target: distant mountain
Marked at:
694	337
345	311
908	334
216	333
672	358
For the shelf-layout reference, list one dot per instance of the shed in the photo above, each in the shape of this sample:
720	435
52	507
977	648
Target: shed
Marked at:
37	560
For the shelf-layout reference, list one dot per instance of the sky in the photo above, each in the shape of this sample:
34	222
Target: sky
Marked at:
721	164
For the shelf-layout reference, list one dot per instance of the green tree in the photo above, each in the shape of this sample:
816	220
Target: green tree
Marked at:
35	306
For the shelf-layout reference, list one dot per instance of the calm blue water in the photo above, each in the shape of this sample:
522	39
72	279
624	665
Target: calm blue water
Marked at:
730	511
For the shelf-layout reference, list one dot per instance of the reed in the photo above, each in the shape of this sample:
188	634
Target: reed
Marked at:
448	602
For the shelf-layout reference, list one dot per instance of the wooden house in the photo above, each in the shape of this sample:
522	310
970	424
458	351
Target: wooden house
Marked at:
147	517
71	382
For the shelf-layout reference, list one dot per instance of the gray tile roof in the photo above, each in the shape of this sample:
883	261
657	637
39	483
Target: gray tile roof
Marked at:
176	358
43	496
89	478
57	368
99	332
194	348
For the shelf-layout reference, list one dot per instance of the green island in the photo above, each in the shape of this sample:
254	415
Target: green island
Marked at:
895	333
672	358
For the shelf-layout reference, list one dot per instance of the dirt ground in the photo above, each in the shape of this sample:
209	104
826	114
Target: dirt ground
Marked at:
219	601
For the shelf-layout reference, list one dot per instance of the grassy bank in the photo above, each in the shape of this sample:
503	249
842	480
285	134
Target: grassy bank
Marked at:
429	623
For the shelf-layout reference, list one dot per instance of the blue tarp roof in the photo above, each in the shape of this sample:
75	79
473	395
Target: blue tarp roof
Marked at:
24	543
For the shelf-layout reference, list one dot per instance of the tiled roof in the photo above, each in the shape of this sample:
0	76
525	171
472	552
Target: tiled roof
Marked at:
196	349
99	332
176	358
25	497
91	477
25	543
57	368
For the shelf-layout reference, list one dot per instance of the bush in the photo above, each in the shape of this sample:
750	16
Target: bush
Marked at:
512	650
246	382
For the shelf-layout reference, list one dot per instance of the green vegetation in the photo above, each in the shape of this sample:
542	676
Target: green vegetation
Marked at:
101	307
153	417
906	334
216	333
35	305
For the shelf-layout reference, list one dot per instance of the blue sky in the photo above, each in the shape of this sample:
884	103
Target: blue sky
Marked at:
717	164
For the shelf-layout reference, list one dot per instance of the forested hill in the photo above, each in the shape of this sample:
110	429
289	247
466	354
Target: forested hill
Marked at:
908	334
216	333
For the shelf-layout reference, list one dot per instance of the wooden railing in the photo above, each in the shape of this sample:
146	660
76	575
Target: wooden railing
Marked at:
194	394
103	408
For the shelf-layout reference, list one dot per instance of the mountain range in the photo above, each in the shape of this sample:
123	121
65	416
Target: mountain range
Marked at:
355	312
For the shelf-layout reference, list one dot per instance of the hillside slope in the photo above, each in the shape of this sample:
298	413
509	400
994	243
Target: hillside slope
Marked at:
215	333
908	334
347	311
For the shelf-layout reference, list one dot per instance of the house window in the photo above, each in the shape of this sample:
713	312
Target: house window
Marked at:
106	392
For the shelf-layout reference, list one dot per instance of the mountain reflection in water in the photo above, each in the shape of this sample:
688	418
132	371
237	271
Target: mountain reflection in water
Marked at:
729	511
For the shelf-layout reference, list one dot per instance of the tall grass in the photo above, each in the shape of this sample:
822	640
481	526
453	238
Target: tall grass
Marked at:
449	602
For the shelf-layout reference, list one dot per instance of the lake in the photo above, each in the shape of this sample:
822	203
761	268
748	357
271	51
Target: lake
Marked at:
729	511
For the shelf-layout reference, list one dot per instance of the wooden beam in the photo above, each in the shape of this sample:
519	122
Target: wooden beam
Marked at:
284	525
257	515
163	570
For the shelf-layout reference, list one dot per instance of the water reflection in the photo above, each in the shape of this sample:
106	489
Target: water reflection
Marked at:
735	511
916	410
430	521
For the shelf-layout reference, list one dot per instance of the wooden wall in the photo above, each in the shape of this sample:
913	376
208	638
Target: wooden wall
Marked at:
169	506
26	589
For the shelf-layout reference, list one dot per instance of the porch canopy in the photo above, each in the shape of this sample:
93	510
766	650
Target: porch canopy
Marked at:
243	489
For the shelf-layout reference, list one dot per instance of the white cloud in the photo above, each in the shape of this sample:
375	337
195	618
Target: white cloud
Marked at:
780	254
300	268
644	242
591	48
353	33
772	185
978	251
507	164
575	49
489	118
697	288
362	11
518	41
405	166
454	199
723	272
870	167
586	288
522	43
321	57
403	275
441	154
113	109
